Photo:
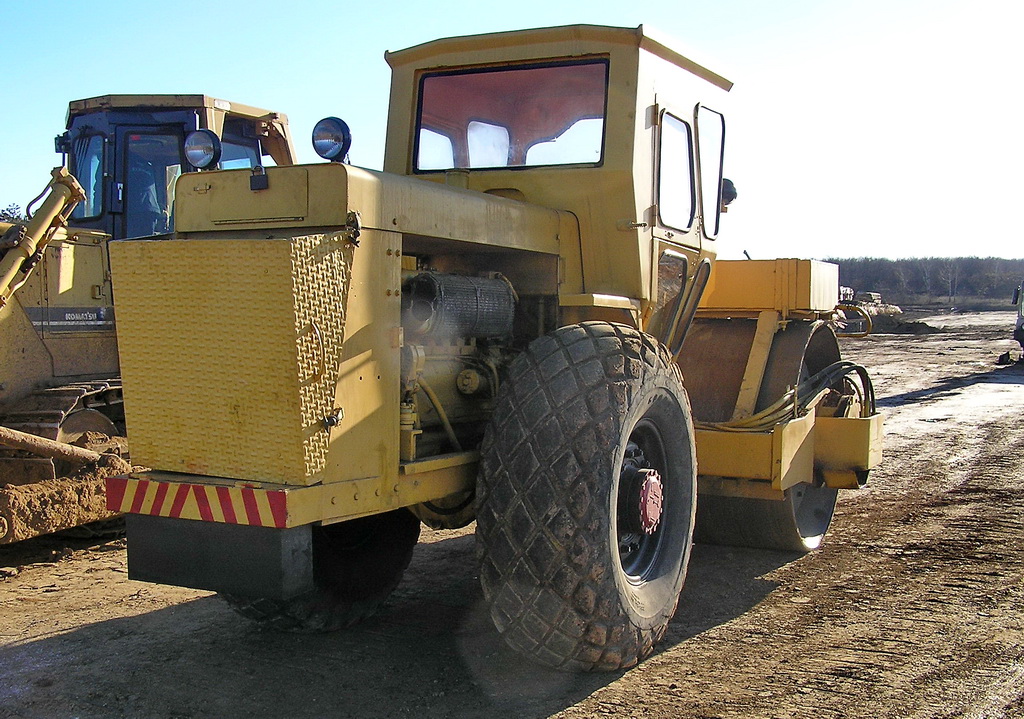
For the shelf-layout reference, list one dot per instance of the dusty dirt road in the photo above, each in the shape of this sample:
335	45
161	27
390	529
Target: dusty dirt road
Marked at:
911	609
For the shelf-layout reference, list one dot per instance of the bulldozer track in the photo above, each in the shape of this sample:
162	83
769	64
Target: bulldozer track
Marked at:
41	412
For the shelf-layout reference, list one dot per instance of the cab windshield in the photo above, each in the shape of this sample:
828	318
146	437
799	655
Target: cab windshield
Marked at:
534	115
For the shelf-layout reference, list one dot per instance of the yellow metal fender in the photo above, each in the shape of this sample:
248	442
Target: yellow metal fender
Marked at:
840	448
783	457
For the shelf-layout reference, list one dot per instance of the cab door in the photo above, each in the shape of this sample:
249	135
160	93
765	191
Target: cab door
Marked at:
149	160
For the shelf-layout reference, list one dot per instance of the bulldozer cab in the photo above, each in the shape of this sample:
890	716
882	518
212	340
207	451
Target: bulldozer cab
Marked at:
58	351
127	151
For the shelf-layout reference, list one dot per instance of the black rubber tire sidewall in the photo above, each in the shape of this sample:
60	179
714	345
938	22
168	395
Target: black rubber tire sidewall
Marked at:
653	603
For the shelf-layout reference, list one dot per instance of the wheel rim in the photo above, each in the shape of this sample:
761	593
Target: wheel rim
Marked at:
641	496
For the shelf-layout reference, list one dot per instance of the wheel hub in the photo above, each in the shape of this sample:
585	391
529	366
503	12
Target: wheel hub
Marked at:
641	498
651	499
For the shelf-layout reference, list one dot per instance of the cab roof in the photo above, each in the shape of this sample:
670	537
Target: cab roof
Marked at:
642	37
167	102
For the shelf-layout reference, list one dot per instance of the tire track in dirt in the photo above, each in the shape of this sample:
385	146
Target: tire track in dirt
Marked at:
909	608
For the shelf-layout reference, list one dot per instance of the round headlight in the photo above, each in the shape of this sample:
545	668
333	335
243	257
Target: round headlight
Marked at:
332	139
202	149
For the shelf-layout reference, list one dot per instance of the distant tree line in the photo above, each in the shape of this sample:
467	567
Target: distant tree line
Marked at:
11	213
926	280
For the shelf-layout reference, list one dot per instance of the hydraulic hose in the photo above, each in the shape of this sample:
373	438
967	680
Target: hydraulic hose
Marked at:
441	414
801	399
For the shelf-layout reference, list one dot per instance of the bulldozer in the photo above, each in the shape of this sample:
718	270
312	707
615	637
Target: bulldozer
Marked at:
59	376
519	321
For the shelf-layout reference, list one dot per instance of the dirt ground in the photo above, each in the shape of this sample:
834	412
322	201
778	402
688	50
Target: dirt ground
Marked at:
910	609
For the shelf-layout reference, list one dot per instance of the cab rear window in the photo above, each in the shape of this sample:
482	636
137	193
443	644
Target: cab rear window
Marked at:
534	115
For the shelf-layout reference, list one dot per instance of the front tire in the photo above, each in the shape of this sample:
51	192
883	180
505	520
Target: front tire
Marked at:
356	566
586	498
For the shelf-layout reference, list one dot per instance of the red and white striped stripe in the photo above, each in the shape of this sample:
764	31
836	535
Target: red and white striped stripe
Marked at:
230	505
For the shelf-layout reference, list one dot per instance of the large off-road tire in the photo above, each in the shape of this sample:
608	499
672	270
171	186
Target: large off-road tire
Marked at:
356	565
799	521
580	568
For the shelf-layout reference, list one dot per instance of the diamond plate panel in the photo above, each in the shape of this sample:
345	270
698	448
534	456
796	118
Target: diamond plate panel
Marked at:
320	284
229	353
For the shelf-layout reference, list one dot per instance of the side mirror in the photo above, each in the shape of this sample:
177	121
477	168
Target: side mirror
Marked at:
728	191
1016	295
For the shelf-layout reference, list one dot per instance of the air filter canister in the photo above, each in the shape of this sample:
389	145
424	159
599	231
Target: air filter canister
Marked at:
448	306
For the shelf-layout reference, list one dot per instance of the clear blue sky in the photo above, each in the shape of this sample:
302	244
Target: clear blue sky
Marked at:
884	128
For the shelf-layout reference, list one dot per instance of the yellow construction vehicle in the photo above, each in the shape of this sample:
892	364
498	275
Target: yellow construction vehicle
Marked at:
503	325
58	354
127	151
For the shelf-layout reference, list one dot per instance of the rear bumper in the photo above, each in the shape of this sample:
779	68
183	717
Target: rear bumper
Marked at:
255	539
249	540
259	504
247	561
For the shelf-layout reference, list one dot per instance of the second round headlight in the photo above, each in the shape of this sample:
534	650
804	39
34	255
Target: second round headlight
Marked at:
202	149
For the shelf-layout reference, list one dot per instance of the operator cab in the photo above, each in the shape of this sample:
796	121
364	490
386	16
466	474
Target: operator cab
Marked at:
127	151
556	116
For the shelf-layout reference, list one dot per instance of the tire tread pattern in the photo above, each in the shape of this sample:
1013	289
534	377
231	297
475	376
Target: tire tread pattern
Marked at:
557	423
312	613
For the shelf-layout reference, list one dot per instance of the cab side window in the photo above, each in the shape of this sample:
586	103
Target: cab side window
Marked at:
87	159
676	192
710	152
